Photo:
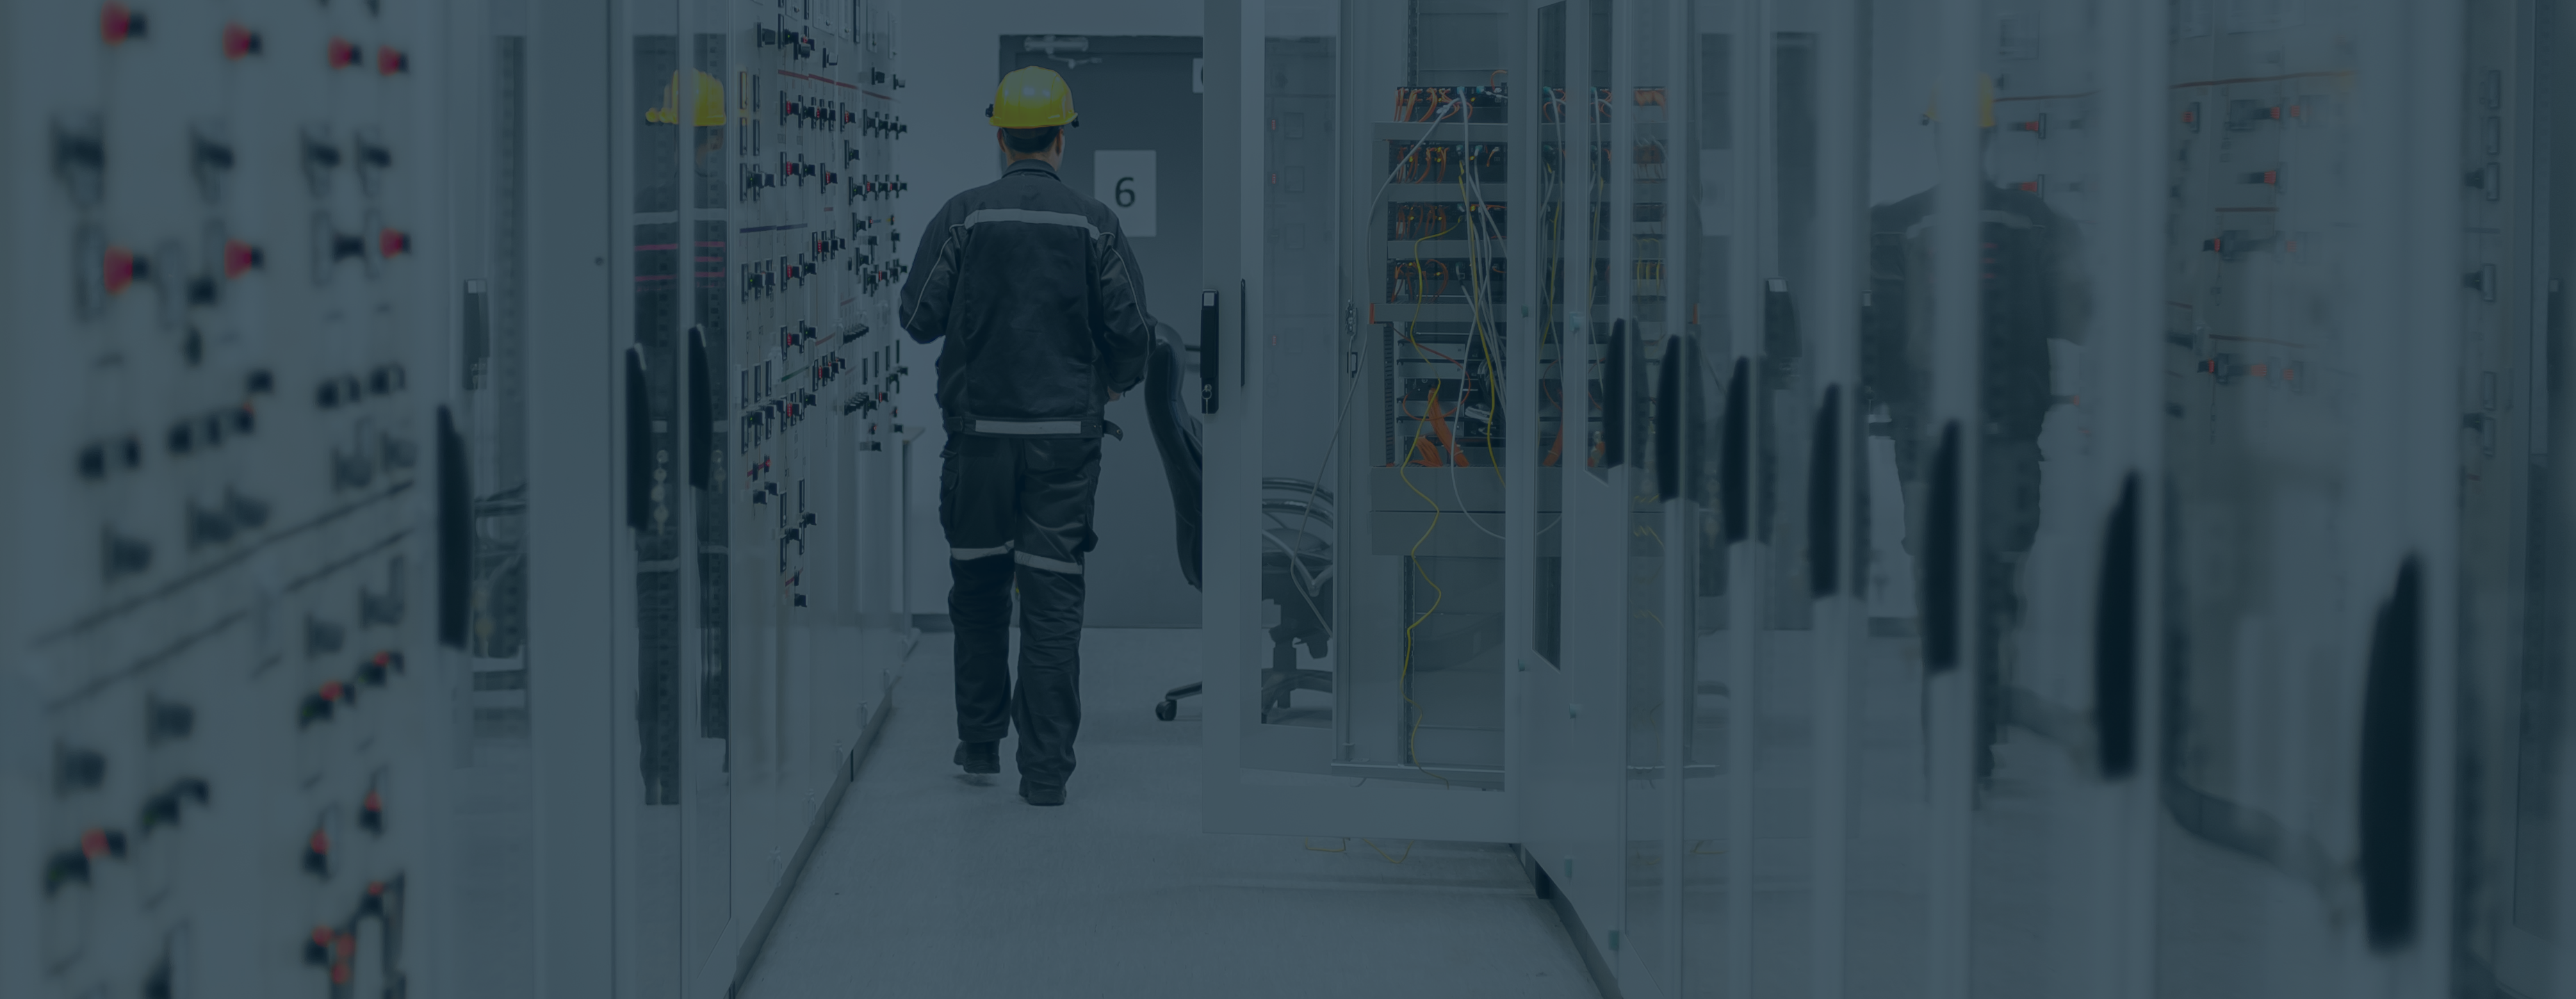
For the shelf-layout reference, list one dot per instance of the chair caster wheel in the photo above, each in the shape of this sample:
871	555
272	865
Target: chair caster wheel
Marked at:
1167	710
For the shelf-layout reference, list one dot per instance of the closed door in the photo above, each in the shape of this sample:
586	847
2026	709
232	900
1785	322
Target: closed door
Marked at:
1137	150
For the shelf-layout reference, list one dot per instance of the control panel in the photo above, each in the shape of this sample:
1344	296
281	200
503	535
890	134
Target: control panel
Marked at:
223	578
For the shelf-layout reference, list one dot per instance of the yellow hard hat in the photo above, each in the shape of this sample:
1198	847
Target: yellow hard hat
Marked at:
1031	97
710	102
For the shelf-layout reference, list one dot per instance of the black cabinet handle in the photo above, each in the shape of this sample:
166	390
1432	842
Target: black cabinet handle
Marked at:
2115	640
2391	738
1614	398
639	443
1735	455
1668	406
455	533
702	411
1211	323
1941	582
1824	497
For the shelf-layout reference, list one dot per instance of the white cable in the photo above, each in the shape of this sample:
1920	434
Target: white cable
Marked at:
1443	112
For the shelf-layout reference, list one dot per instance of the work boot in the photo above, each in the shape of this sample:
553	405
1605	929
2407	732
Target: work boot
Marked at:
1042	794
980	757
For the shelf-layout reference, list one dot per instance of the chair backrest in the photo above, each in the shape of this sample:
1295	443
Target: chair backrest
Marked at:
1176	437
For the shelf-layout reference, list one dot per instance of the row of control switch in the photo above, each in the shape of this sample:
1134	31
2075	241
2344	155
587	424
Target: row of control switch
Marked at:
826	115
873	123
374	671
383	379
877	187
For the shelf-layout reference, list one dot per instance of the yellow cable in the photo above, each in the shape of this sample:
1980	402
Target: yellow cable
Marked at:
1478	327
1404	673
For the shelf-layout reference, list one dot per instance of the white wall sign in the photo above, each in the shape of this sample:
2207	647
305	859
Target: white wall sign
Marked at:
1123	179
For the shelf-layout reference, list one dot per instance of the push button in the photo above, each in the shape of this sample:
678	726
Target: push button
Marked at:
240	41
117	23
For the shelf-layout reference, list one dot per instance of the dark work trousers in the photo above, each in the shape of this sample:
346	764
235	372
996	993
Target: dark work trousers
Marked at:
1019	510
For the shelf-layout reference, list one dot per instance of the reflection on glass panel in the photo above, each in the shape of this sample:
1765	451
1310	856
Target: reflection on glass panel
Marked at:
1605	356
1547	631
2514	881
1703	226
494	831
656	869
2265	540
1640	76
2042	506
709	827
1886	914
1776	400
1300	482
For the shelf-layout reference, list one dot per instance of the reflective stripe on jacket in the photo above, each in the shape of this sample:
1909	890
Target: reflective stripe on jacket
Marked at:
1040	298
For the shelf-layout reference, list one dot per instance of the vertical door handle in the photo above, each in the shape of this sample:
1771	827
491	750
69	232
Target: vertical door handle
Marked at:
1211	323
2115	640
1824	497
1614	398
1668	405
2391	740
1941	556
1735	455
639	442
702	411
455	533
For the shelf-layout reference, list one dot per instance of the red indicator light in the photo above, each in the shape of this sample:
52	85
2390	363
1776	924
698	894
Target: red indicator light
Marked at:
392	243
122	268
2274	111
2029	185
375	802
321	936
320	844
333	690
93	843
239	41
391	60
2189	117
117	22
239	258
344	53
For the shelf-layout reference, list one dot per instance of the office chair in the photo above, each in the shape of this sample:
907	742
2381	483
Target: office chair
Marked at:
1296	550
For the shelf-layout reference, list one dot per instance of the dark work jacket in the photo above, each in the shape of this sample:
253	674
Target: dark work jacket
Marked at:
1040	298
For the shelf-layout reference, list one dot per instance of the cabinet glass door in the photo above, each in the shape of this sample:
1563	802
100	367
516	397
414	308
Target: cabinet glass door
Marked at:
2313	473
2512	882
2067	414
1357	678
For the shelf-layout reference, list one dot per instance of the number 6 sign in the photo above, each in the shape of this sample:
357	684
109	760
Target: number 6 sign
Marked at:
1123	179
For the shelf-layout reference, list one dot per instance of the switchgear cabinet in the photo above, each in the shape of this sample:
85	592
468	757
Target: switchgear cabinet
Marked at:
457	543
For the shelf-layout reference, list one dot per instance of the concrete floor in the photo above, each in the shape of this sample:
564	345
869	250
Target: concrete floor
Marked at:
931	884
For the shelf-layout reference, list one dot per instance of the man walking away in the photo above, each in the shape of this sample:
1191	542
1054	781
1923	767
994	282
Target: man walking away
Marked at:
1040	299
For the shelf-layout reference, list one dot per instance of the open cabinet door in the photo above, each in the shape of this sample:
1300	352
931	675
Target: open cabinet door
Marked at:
1360	669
